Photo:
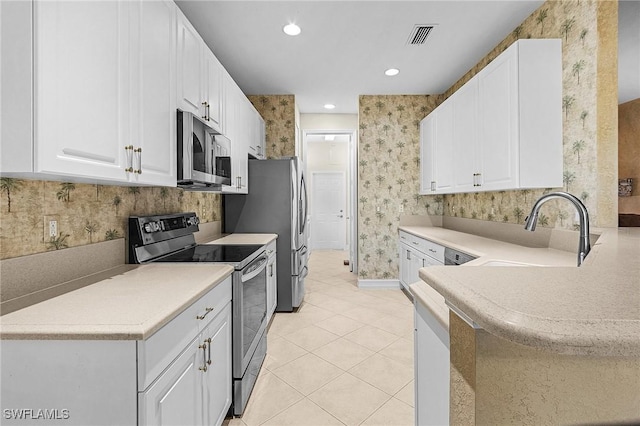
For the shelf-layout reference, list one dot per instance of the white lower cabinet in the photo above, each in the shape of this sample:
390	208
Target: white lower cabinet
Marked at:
196	388
176	397
180	375
431	369
416	253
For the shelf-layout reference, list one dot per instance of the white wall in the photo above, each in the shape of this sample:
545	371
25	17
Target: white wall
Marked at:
329	121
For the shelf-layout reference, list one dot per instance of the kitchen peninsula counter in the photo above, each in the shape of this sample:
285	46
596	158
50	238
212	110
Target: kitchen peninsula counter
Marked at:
129	302
539	345
591	310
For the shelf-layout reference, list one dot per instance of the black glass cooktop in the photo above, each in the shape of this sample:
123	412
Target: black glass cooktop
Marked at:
213	253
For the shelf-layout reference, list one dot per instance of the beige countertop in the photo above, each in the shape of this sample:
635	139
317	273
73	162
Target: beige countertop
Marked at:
245	239
591	310
135	302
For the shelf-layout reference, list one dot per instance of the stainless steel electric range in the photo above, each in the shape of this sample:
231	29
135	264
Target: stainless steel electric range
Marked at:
169	238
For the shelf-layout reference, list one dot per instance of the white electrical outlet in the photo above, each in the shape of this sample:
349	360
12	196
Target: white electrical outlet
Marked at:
53	228
377	208
401	208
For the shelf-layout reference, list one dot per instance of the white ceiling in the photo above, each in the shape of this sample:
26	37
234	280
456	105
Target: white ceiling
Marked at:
345	46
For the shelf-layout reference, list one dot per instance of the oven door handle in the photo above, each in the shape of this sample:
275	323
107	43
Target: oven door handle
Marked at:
254	268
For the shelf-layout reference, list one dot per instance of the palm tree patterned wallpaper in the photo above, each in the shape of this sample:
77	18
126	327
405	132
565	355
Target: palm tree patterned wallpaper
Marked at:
389	151
389	177
85	213
279	115
574	23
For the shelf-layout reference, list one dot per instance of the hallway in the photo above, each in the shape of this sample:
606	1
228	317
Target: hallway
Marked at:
345	358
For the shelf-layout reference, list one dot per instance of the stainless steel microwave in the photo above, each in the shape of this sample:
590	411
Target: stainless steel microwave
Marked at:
204	155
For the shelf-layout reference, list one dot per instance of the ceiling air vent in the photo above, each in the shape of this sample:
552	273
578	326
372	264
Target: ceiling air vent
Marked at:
419	34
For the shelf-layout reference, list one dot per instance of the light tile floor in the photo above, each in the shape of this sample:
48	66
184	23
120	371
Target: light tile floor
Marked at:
345	358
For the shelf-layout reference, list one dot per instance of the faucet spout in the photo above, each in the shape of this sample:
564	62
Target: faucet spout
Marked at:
584	245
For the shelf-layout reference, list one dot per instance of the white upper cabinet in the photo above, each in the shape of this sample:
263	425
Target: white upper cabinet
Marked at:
257	134
199	76
81	73
190	66
154	91
503	129
236	130
103	105
465	136
212	90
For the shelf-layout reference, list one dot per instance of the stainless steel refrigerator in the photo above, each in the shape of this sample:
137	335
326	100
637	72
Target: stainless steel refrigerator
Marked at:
276	203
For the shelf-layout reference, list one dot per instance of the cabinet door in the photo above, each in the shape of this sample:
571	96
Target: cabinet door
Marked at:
154	92
498	118
405	265
175	398
427	173
465	134
81	80
443	148
241	151
212	90
235	117
262	134
190	67
218	377
415	263
431	369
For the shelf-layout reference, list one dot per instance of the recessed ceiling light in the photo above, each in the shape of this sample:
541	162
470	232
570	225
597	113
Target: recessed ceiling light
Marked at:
392	72
329	106
291	29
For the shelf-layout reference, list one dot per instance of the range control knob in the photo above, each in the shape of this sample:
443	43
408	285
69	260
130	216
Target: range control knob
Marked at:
193	221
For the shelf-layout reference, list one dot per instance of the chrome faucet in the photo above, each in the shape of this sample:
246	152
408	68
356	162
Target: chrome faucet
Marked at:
584	245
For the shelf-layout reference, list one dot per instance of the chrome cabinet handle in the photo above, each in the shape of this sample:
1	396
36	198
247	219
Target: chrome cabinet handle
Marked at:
270	270
204	354
432	250
408	255
201	317
129	153
433	185
209	342
206	115
138	155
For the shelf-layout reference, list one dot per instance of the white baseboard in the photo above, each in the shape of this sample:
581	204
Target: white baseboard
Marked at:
379	284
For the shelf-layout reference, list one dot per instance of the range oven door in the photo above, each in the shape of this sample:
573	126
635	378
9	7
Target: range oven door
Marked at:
249	312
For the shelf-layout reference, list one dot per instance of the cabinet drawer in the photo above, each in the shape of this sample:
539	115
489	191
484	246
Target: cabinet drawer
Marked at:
433	250
427	247
159	350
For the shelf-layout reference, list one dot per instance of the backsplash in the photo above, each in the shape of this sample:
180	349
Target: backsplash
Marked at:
279	114
85	213
389	177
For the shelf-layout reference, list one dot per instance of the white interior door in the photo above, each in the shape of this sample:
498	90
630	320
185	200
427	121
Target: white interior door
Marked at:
328	229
